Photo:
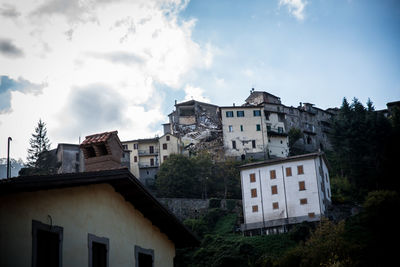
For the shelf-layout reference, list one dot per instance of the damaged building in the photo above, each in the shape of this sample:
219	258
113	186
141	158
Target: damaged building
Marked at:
198	126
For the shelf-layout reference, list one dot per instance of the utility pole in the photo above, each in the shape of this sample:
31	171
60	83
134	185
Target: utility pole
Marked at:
8	158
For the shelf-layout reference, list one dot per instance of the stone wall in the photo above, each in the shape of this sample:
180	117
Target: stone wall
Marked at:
190	208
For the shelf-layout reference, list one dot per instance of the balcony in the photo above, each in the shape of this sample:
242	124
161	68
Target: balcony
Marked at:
276	131
149	152
148	165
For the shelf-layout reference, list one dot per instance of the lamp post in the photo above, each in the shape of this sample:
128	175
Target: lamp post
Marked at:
8	158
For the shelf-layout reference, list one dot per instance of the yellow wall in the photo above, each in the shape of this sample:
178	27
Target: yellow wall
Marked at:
94	209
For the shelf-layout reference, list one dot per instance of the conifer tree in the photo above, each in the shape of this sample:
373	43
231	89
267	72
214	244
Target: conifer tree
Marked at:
39	143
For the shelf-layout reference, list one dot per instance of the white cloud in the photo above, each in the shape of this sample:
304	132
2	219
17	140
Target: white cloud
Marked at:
122	48
195	93
295	7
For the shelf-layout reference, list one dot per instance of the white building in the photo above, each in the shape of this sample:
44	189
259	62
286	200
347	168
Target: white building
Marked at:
248	131
282	192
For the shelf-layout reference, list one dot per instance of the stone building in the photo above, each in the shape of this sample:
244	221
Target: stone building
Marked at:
282	192
312	121
70	158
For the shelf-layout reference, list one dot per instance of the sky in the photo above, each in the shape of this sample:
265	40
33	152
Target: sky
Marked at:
89	66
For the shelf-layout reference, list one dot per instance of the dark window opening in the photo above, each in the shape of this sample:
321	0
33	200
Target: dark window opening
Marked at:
229	114
77	156
234	144
144	257
46	245
77	167
253	143
151	148
167	137
102	149
256	113
98	251
187	111
151	162
90	152
240	113
164	146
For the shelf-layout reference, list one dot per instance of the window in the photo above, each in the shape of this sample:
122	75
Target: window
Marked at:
303	201
255	208
151	162
165	158
280	129
167	137
240	113
76	167
274	189
151	149
77	156
253	143
302	186
241	128
144	257
135	146
253	192
272	174
268	127
267	114
252	177
164	146
288	171
229	114
46	244
257	113
300	169
311	215
135	158
234	144
230	128
258	127
125	147
275	205
98	251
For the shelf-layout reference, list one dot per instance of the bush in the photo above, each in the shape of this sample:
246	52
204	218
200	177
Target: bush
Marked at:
214	203
230	204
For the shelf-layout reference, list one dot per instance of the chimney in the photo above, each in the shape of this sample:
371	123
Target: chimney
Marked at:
102	151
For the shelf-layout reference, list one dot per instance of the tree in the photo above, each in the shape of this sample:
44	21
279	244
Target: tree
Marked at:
39	160
294	135
39	143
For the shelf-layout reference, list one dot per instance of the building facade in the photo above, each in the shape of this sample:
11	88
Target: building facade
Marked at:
70	158
147	155
104	218
249	132
281	192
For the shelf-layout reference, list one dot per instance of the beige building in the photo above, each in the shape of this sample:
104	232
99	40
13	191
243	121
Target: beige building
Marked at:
249	132
146	155
104	218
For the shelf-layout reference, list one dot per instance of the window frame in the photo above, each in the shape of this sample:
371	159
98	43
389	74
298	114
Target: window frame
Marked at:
102	240
36	225
303	201
147	251
300	169
164	146
241	112
257	113
254	208
253	192
288	171
274	189
258	127
302	185
231	114
252	177
275	205
272	174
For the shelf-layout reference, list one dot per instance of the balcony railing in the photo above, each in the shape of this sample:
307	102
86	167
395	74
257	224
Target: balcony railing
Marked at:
148	152
148	165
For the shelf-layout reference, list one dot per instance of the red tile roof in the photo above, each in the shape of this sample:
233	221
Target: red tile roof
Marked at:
98	138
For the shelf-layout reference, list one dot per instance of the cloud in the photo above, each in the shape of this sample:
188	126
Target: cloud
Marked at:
195	93
8	49
9	11
121	57
92	108
295	7
8	85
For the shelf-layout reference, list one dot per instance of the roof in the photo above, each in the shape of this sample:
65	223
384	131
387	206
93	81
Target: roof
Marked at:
123	182
281	160
242	107
191	102
98	138
144	140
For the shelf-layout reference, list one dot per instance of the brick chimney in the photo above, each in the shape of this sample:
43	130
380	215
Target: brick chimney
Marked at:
102	151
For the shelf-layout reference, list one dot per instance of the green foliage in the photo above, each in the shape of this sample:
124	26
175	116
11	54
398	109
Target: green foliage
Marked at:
198	177
214	203
294	135
341	189
39	143
230	204
365	144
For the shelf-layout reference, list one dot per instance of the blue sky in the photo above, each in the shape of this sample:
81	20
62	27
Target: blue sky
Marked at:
86	67
339	49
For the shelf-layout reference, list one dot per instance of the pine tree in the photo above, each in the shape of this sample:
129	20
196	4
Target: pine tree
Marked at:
39	143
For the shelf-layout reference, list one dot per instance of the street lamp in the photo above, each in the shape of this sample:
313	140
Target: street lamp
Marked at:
8	158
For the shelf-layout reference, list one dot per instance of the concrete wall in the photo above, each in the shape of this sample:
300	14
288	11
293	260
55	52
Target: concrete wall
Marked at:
173	146
94	209
288	194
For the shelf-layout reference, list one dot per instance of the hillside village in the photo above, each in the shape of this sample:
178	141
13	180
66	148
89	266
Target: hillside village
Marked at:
285	189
